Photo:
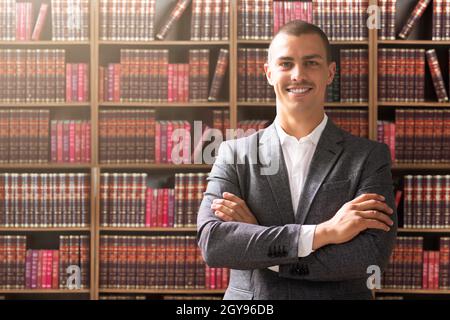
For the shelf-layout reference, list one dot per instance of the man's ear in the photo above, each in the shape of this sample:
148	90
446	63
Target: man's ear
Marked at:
331	72
268	73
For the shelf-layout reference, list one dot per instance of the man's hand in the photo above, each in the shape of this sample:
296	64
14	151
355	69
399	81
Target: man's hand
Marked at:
233	208
368	211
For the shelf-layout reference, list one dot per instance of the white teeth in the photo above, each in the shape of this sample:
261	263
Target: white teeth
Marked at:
299	90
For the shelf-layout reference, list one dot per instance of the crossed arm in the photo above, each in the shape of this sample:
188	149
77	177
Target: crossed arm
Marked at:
361	233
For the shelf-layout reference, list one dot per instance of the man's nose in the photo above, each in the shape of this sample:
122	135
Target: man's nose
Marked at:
296	73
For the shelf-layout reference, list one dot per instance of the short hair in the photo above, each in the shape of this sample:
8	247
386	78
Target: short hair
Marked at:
299	27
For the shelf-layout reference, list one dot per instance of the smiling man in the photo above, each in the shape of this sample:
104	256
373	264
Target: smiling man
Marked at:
313	228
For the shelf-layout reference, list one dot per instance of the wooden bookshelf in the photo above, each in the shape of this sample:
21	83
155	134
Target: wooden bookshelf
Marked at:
162	291
96	50
413	291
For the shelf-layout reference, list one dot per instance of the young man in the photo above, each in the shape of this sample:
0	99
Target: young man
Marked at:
310	213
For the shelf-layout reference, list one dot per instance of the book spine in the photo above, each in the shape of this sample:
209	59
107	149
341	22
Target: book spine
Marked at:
219	75
436	75
176	13
414	18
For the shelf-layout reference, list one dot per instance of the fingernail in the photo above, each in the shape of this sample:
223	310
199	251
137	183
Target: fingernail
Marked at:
382	198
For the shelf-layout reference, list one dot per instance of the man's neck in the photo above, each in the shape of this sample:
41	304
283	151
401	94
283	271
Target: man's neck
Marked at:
299	125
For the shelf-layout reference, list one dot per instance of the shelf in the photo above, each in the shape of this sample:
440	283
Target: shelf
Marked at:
163	43
413	291
44	43
414	104
421	166
43	166
123	229
42	229
415	42
333	42
44	291
327	104
144	166
166	104
423	230
43	104
164	291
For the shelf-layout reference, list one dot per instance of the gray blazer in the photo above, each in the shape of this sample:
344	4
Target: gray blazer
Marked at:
343	167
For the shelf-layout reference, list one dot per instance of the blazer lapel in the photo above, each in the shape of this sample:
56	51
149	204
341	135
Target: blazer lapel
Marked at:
272	165
327	152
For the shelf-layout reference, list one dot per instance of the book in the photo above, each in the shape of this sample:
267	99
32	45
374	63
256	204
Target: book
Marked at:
40	22
436	75
219	75
414	18
175	15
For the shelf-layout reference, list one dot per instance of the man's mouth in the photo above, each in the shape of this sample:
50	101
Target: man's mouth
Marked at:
299	90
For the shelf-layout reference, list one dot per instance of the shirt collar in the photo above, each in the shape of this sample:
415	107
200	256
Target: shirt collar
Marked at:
314	136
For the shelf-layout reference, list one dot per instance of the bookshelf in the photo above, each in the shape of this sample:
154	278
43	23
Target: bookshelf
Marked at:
98	52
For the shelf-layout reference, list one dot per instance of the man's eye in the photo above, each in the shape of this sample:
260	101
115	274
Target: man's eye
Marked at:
285	64
312	63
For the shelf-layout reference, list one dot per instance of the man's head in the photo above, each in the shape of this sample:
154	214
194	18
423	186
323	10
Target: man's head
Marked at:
299	67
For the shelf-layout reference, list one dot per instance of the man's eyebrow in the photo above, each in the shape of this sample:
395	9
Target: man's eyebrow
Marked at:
308	57
312	56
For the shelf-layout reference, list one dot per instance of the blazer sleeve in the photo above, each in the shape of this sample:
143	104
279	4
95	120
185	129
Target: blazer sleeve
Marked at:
350	260
239	245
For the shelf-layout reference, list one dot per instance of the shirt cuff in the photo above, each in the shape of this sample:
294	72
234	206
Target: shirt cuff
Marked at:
305	241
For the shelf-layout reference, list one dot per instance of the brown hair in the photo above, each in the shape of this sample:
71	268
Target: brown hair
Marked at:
299	27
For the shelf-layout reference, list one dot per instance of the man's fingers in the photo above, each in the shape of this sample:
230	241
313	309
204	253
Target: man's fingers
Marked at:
231	197
231	205
374	205
376	224
376	215
367	196
222	216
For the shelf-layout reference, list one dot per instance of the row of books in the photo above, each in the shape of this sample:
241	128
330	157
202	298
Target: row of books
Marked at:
355	121
70	141
127	20
426	202
146	75
401	75
69	20
354	75
285	11
42	269
259	19
44	199
127	201
418	135
77	82
388	10
24	135
441	20
156	262
412	267
210	20
134	136
342	20
39	75
252	81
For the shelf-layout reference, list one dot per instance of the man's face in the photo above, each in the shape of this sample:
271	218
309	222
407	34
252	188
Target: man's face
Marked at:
299	72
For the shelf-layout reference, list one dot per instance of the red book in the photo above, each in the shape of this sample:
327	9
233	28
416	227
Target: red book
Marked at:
69	82
55	271
88	141
426	261
148	207
71	141
40	22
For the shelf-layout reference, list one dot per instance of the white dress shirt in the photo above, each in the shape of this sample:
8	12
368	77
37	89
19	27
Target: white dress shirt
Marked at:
298	154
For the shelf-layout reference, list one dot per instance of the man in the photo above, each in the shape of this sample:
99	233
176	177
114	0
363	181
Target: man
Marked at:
311	228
